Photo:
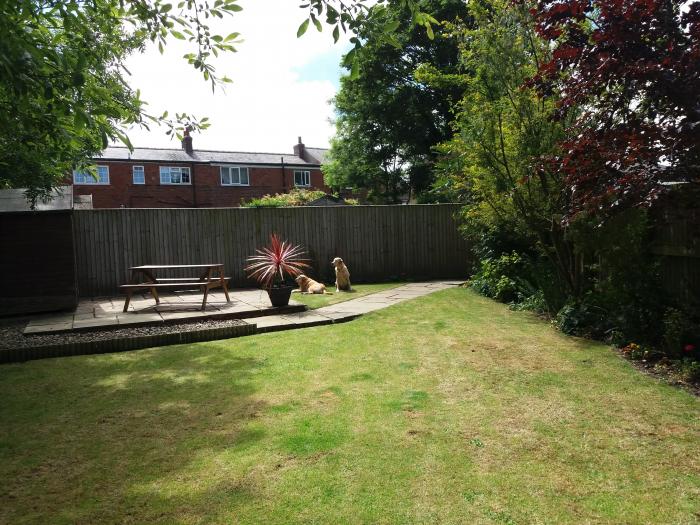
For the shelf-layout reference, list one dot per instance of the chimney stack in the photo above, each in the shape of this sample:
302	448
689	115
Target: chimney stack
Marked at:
187	142
299	150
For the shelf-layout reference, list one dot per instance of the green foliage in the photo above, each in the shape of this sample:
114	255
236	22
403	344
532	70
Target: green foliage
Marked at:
596	279
581	317
388	119
689	371
623	278
680	332
503	278
63	85
501	126
296	197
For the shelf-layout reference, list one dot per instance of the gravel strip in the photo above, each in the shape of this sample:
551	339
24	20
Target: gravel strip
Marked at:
11	336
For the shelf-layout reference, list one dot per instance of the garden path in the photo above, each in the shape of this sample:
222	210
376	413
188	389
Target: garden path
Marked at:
348	310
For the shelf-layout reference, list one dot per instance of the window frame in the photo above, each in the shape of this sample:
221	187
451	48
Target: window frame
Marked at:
133	175
88	180
230	167
304	173
171	183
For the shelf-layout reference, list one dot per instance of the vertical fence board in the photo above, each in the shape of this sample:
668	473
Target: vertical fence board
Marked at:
377	242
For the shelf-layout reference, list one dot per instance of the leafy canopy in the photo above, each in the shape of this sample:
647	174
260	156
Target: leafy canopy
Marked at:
633	68
63	84
388	120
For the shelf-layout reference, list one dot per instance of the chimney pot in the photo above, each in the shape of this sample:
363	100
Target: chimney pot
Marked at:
187	142
299	150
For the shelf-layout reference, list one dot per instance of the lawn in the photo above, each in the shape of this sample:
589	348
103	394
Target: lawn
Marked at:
314	301
445	409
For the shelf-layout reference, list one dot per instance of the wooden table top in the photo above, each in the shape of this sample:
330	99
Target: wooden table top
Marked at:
174	266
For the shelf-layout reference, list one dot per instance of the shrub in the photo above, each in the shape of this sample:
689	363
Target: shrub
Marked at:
689	371
296	197
680	332
533	303
504	278
583	318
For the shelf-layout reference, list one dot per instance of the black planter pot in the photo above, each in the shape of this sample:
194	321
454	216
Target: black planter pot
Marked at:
279	295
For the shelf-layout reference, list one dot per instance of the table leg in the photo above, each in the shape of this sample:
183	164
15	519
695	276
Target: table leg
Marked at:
153	279
223	284
207	278
206	293
128	299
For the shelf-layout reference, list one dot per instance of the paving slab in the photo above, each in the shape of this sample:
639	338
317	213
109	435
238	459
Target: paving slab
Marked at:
308	318
98	322
270	323
340	317
139	318
180	314
48	328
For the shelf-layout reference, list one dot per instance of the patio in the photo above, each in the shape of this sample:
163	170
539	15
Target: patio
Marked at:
252	305
106	312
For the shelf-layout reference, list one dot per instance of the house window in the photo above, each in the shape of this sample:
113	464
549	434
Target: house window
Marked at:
86	177
234	176
302	178
174	175
139	176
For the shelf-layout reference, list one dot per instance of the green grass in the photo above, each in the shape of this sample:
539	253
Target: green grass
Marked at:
314	301
446	409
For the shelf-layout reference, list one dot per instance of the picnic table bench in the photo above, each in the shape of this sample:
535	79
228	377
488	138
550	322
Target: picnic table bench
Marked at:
144	278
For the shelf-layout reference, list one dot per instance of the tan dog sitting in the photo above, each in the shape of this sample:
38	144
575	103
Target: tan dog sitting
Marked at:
342	275
308	285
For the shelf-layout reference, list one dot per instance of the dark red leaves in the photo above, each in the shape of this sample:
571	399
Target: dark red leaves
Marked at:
630	69
275	262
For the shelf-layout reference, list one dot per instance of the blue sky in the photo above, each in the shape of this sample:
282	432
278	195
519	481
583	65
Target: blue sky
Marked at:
324	67
282	85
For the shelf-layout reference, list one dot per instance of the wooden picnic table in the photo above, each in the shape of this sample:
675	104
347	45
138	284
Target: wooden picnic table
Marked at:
144	278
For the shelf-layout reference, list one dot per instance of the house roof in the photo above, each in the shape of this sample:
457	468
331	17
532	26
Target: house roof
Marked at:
328	200
317	154
210	156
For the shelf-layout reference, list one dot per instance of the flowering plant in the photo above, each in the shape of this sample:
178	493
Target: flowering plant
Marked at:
272	263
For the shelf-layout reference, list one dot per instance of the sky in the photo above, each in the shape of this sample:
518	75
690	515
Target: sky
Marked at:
281	87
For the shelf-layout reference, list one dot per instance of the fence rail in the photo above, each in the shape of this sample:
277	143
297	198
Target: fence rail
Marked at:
377	242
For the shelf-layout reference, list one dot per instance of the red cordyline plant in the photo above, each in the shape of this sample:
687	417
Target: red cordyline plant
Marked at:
273	262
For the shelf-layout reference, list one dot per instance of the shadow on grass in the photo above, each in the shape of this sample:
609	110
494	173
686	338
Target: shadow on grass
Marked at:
130	434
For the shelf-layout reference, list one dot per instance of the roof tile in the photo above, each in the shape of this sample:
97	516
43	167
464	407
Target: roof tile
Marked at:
209	156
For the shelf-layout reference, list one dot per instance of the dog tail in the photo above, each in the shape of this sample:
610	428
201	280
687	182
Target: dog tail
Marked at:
326	292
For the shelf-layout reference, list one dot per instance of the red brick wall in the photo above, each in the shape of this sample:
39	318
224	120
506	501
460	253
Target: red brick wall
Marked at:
205	191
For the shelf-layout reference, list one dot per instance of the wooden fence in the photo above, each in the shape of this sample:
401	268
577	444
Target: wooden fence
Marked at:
37	262
676	244
377	242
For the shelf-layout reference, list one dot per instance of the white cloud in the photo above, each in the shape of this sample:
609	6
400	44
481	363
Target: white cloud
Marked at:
268	105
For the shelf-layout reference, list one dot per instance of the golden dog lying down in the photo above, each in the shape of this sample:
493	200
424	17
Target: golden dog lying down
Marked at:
308	285
342	275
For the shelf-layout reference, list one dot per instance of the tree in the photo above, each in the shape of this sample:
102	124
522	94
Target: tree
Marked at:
63	88
63	85
388	121
634	68
501	128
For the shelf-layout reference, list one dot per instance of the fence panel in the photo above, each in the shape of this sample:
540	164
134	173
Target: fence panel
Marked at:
377	242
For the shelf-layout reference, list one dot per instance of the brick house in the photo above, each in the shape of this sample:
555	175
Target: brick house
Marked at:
189	178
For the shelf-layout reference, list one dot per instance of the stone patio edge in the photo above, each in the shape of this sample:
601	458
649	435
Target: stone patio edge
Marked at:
106	346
